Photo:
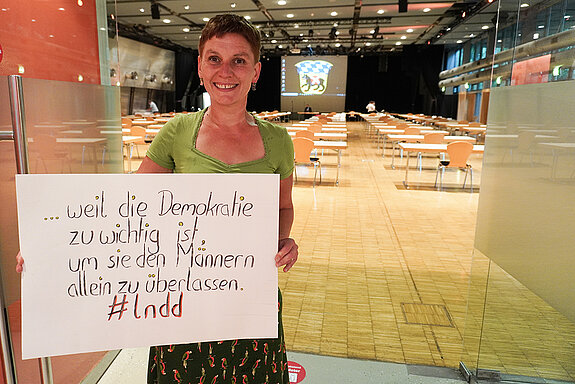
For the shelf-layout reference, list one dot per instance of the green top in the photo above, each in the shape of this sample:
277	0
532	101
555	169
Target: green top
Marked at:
175	148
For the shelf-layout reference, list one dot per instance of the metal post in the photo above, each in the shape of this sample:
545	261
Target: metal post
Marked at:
18	123
21	152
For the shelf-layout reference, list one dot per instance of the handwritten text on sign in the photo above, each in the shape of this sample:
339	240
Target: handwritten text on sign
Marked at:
118	261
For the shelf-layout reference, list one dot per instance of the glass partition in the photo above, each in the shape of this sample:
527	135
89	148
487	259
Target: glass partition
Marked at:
66	54
521	317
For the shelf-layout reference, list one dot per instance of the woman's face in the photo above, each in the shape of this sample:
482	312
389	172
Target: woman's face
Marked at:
227	67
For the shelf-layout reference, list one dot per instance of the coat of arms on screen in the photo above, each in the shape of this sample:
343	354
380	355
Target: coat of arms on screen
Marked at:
313	75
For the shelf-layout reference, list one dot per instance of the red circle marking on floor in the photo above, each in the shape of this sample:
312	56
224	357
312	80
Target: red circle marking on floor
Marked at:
296	372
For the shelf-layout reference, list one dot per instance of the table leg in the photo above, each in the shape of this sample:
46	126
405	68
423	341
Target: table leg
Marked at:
406	170
338	165
393	154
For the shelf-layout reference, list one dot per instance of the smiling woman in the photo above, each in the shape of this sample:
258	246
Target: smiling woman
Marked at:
226	139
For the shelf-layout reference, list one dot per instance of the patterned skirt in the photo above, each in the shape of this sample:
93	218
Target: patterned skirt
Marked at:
243	361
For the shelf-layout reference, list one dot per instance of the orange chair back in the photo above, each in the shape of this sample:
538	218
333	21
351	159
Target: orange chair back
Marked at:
433	138
307	133
302	147
412	131
459	152
315	128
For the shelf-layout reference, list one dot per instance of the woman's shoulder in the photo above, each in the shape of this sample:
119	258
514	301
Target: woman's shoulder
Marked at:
270	128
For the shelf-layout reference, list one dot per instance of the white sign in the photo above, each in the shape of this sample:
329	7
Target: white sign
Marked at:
120	261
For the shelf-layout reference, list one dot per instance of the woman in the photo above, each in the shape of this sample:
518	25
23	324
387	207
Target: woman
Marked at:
225	138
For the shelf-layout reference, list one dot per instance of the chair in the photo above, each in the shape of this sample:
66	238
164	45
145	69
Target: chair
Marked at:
126	122
307	134
430	138
315	127
46	148
412	131
139	131
458	152
302	149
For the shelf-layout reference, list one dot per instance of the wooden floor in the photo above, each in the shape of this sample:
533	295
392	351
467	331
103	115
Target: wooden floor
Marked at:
384	273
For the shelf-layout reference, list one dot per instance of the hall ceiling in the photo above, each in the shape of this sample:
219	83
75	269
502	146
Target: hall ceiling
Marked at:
311	26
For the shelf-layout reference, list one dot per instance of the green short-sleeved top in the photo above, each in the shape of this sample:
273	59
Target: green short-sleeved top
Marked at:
175	148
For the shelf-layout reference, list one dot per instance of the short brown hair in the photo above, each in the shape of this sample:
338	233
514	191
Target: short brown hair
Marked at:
229	23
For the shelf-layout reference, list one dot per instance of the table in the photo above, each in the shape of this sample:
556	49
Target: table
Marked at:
323	129
143	122
557	149
418	139
429	148
127	141
337	146
392	131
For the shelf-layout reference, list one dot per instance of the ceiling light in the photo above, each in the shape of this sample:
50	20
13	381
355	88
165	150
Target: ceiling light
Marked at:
80	78
524	5
336	24
80	3
485	27
459	41
338	45
290	15
142	10
426	10
20	69
448	29
186	7
305	40
247	17
466	85
334	13
274	41
500	41
61	9
541	26
398	43
535	36
296	25
372	31
233	5
380	11
167	21
557	70
498	80
409	30
280	46
206	19
282	2
403	37
368	44
337	32
186	29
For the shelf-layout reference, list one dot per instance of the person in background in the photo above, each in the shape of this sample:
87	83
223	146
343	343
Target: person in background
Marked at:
225	138
153	107
371	107
307	108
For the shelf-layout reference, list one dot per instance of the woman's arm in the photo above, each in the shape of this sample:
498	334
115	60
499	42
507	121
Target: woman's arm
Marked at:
148	166
287	247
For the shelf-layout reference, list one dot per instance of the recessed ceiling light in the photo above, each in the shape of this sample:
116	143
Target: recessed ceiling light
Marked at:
485	27
409	30
368	44
80	3
403	37
186	7
142	10
186	29
282	2
247	17
301	34
540	26
398	43
274	41
61	9
206	19
233	5
167	21
290	15
380	11
296	25
337	32
335	24
500	41
524	5
448	29
338	45
334	13
426	10
372	31
305	40
280	46
471	35
459	41
535	36
80	78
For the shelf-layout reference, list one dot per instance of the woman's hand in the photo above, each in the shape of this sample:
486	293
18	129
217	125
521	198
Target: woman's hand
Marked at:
19	263
287	253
